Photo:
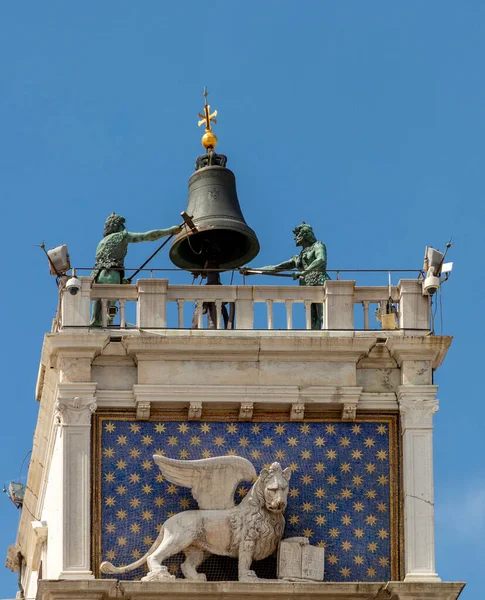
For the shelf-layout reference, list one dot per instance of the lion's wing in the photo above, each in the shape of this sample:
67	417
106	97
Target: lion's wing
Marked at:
213	481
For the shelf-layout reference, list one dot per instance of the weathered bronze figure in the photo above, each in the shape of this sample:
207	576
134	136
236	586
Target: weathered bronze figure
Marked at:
111	252
311	264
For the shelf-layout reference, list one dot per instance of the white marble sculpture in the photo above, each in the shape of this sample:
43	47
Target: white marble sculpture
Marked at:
249	531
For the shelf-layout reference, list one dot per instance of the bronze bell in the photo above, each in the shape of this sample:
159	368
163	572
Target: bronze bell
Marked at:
223	238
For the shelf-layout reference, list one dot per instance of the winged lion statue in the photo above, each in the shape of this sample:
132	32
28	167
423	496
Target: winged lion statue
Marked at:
248	531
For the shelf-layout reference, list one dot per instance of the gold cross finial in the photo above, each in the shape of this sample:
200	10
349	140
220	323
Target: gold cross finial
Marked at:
209	139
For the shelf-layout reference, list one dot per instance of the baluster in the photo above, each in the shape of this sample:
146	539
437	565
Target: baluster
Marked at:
219	314
365	304
269	307
104	312
122	313
383	305
289	314
180	311
200	316
308	314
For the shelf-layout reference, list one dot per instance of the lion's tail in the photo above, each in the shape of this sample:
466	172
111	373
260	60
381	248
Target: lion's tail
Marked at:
107	567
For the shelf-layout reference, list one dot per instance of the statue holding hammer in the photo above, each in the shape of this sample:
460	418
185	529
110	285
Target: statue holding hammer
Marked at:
111	252
311	266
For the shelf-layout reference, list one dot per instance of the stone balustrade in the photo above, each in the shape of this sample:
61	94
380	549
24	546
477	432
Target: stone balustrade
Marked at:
159	305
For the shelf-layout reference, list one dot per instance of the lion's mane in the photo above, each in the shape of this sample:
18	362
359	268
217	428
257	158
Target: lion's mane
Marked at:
252	521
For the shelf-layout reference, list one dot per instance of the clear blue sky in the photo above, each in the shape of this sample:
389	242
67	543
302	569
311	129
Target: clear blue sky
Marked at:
365	119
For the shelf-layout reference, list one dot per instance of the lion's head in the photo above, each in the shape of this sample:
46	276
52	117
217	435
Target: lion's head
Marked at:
272	488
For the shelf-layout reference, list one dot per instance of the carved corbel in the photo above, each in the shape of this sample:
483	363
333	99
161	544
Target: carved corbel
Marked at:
143	410
349	412
297	411
75	411
246	411
195	411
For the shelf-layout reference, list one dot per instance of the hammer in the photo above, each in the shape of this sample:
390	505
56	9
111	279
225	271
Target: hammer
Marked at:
186	221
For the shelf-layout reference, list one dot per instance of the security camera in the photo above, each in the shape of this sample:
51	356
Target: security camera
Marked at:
73	285
431	283
433	260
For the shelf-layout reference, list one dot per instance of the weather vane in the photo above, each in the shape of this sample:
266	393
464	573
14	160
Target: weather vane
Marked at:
209	139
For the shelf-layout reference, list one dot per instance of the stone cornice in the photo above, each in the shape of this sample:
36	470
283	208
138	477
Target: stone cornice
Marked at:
254	347
85	344
433	348
234	590
315	396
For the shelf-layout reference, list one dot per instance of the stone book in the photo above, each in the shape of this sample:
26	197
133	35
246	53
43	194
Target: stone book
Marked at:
297	560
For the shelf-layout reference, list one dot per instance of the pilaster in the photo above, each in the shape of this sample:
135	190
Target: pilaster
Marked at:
414	308
75	308
339	305
417	405
151	308
75	405
244	308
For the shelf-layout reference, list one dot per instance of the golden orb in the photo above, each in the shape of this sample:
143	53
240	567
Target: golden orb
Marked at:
209	140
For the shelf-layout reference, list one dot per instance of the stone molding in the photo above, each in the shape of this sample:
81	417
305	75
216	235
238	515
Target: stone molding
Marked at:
40	532
234	590
317	396
432	348
203	345
115	398
85	344
384	401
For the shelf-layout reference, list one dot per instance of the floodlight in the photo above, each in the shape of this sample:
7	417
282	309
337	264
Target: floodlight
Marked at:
59	260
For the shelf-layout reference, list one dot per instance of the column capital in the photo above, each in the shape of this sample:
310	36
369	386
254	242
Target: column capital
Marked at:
75	404
75	411
417	405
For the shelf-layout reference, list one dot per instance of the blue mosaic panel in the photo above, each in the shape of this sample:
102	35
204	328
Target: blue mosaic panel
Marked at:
339	494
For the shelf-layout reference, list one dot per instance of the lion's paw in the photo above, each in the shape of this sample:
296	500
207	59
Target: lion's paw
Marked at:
194	576
158	576
248	576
